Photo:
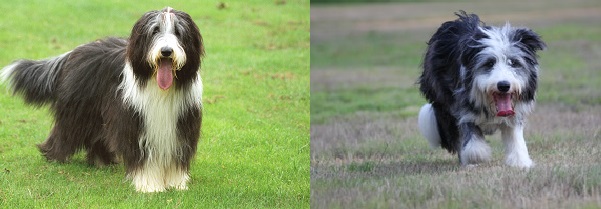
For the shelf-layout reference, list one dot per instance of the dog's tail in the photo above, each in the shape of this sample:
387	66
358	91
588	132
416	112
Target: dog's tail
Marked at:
35	80
428	126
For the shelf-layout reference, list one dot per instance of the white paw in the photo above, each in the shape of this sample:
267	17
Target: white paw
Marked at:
515	160
149	188
179	184
476	151
175	178
148	181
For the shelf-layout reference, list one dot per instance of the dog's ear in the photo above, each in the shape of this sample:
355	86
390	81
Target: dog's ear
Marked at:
529	39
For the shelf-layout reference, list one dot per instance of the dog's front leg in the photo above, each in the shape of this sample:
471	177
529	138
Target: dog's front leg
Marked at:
516	151
473	149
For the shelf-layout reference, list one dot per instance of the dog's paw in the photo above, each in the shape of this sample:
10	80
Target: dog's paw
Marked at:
177	179
475	152
515	160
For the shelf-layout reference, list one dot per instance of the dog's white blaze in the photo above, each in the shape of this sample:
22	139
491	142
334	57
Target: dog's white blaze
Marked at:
167	40
498	39
488	82
427	125
160	111
168	21
516	151
476	151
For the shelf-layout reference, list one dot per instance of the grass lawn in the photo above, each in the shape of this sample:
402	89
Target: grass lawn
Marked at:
366	151
254	150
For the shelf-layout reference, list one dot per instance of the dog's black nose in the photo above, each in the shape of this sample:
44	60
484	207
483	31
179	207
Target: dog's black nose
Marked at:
503	86
166	51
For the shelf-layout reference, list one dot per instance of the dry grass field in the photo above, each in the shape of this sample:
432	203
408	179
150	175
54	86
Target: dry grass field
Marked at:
366	151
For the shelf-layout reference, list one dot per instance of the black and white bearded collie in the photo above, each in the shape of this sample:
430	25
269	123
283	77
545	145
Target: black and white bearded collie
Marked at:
137	100
479	79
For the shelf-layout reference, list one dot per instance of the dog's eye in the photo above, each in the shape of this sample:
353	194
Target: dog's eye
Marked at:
489	63
155	30
514	63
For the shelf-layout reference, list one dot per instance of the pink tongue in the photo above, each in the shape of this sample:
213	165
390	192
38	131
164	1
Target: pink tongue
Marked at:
503	102
165	74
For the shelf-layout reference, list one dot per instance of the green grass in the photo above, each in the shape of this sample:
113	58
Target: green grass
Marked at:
369	49
254	149
343	102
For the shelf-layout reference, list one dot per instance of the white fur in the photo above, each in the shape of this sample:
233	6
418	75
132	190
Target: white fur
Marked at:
476	151
153	178
160	110
516	151
7	72
488	82
149	179
498	40
176	178
427	125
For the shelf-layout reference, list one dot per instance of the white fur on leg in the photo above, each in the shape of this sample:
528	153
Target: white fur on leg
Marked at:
154	177
149	179
427	125
176	178
476	151
159	142
516	151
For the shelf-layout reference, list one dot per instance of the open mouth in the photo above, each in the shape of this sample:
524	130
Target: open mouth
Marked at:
165	73
503	102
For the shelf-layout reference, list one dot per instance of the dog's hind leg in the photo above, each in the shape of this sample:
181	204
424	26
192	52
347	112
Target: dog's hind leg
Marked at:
516	151
427	125
99	154
474	149
56	148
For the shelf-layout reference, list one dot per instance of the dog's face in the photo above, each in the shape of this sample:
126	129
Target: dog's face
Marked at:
501	64
166	45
